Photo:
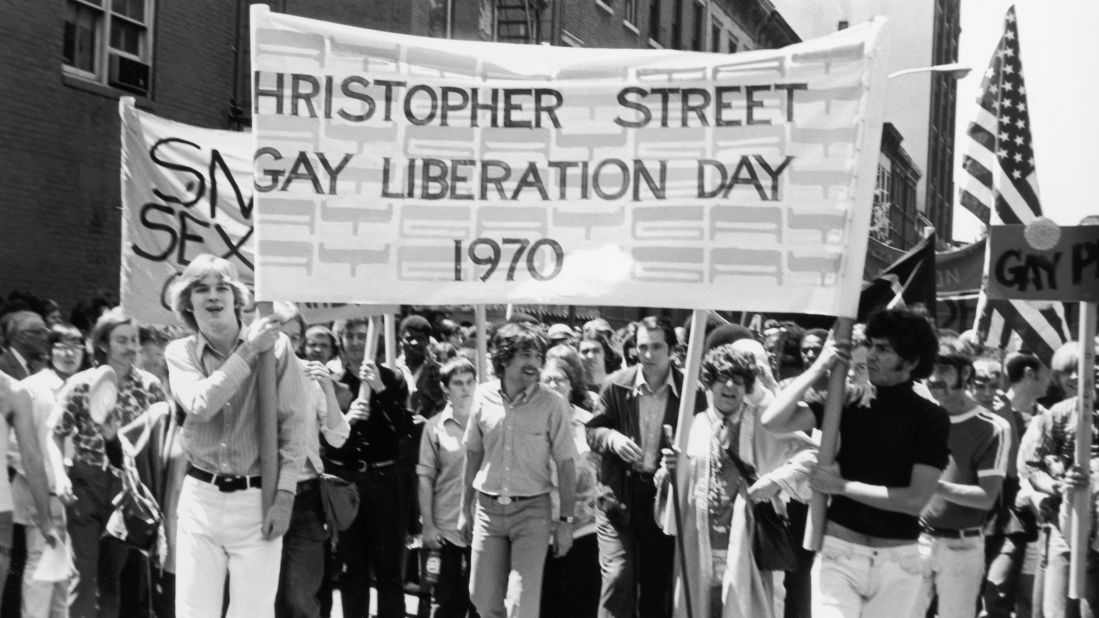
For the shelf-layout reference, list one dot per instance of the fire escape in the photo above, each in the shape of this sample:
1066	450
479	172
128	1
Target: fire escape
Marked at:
519	21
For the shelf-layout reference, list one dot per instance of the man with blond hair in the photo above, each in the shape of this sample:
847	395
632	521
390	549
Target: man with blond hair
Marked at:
222	527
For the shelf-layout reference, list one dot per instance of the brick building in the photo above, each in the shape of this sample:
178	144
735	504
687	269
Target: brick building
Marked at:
69	61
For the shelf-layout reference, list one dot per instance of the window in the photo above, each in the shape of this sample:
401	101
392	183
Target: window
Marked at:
108	41
654	20
715	39
697	32
732	44
629	11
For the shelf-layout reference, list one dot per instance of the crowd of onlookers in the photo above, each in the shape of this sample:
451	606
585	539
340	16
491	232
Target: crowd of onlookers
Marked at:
543	486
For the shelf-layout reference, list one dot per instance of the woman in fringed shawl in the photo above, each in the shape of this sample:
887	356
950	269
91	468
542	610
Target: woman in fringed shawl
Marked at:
724	581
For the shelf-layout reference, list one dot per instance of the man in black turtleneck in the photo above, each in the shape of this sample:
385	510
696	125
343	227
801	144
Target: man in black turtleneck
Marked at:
892	451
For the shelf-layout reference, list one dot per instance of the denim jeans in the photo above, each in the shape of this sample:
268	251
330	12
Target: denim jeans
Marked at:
509	556
952	571
636	558
1005	566
452	590
375	541
855	580
302	557
98	560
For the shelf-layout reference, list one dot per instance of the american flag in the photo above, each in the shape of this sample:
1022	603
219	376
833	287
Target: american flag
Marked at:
1000	186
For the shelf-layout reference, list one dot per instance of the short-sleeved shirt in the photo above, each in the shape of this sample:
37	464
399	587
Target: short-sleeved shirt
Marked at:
980	447
442	460
520	438
71	416
879	445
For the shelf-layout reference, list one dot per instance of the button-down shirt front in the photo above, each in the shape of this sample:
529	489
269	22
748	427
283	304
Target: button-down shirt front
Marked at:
520	439
220	397
72	417
442	459
335	436
650	409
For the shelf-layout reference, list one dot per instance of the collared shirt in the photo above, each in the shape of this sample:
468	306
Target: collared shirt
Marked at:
650	410
520	438
71	416
425	390
219	395
442	459
22	361
335	435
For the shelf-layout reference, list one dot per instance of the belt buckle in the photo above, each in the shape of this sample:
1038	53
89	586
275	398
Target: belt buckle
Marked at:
504	500
227	484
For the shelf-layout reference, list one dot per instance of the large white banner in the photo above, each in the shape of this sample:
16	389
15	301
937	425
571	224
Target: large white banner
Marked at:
187	190
392	168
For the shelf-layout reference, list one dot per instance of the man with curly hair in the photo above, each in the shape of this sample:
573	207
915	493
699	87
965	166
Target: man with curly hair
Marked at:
892	451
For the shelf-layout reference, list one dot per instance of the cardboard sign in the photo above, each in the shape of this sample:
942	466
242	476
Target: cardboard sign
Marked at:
400	169
1068	270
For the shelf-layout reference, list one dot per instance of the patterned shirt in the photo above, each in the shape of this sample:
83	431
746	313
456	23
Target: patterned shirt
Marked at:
650	408
71	417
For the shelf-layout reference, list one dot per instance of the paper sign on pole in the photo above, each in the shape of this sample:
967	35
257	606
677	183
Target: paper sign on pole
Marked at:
1066	267
185	191
398	169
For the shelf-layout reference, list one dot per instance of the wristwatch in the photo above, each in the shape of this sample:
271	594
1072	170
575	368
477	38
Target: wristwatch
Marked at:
566	520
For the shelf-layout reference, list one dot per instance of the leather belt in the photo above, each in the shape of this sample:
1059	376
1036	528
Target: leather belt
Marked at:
224	483
371	466
950	533
506	500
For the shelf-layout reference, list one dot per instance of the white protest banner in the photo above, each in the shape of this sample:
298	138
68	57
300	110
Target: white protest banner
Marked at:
400	169
185	191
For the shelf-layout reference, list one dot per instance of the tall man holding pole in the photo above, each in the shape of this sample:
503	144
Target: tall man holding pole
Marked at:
634	553
222	526
891	454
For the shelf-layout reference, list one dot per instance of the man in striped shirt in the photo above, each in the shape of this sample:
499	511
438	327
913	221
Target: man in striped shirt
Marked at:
952	541
221	524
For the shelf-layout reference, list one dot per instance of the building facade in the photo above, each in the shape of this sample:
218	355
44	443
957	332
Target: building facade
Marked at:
69	62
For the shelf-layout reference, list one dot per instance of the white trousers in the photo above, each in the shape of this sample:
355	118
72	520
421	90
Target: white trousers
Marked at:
852	580
220	533
953	569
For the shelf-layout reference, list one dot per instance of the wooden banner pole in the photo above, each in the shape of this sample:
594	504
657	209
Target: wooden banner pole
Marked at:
833	409
1080	525
481	324
267	423
369	354
390	341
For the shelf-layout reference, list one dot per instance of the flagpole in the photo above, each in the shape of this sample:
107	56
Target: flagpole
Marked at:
1080	524
829	442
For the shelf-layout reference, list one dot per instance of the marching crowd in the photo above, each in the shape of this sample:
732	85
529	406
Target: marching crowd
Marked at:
541	489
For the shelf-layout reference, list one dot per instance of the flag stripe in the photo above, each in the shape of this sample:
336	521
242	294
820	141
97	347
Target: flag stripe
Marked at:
999	185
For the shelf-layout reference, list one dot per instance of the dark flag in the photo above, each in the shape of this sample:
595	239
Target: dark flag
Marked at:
908	283
1000	185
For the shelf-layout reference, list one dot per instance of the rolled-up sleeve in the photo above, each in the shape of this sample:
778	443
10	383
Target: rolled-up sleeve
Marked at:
199	395
562	444
336	435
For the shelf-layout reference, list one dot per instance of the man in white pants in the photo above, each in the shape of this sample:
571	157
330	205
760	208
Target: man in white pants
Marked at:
222	528
952	547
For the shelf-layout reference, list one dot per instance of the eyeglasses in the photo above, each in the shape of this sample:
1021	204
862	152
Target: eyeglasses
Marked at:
67	347
556	380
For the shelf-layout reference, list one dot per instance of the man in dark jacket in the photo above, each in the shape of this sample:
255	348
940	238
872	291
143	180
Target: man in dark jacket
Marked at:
626	430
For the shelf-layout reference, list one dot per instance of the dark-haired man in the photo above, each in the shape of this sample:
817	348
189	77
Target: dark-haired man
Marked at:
634	553
891	454
952	542
517	430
